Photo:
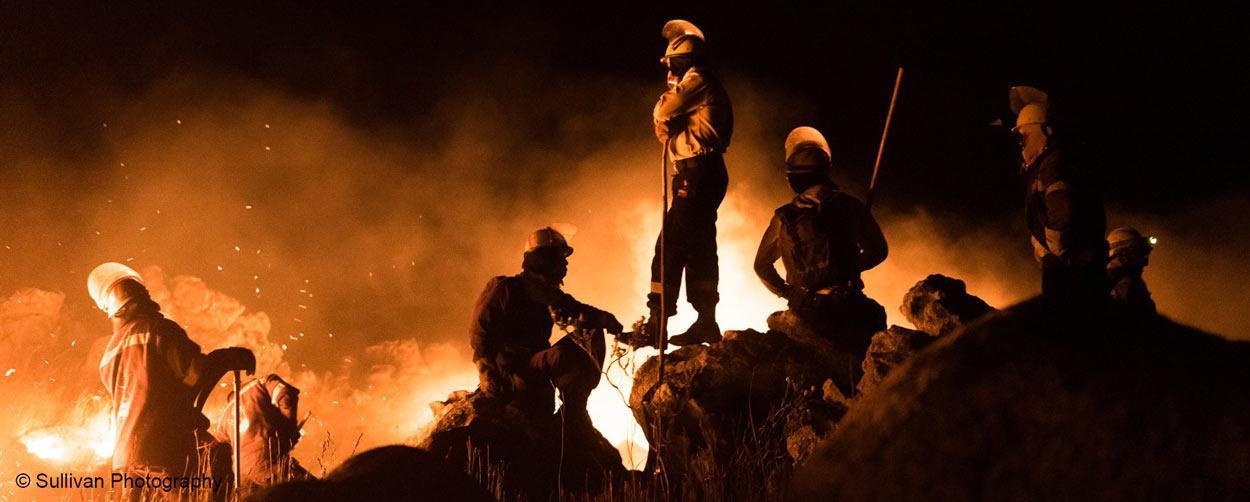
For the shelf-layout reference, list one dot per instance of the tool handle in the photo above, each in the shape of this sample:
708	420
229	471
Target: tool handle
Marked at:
237	449
885	131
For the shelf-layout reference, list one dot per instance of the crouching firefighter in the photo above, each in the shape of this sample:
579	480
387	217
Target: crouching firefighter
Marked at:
1063	210
269	429
156	376
825	238
694	120
1130	253
512	323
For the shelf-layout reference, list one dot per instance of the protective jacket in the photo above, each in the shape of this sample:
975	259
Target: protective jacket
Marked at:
268	431
151	369
1067	225
698	115
1065	215
512	323
824	238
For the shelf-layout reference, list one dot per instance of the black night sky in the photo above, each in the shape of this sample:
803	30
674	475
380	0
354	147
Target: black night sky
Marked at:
1152	90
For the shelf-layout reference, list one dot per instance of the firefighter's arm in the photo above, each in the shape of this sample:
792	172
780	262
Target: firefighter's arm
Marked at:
594	318
680	100
182	355
766	258
487	313
286	427
1058	214
872	246
287	397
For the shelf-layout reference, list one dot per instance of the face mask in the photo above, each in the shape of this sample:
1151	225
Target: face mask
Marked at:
677	67
552	265
800	182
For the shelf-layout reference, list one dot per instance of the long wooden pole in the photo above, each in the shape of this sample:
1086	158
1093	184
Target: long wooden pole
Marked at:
876	166
237	449
663	322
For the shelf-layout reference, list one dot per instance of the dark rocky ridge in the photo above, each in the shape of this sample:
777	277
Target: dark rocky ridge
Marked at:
1045	402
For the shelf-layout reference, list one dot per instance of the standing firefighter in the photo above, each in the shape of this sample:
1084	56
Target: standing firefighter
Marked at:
269	429
1064	213
825	238
154	374
1130	253
694	120
512	324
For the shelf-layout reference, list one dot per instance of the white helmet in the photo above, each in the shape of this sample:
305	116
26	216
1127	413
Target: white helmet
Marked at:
806	139
1128	240
548	237
1029	104
105	277
684	39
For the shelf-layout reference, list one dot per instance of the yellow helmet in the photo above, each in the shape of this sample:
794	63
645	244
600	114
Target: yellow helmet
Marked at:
684	39
547	237
806	139
105	277
1030	105
1128	239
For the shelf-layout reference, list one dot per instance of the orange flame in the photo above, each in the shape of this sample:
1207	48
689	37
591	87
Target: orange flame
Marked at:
87	444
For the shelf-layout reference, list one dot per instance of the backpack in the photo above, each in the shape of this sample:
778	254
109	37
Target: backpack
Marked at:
817	249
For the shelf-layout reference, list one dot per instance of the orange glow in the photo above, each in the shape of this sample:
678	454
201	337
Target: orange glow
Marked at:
745	304
82	445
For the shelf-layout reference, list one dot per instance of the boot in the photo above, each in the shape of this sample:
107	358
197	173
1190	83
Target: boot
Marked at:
704	330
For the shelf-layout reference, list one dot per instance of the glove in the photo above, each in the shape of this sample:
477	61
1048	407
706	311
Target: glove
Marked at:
234	359
661	131
798	299
608	322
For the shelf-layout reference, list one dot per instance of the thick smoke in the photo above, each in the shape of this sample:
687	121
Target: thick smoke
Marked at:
349	254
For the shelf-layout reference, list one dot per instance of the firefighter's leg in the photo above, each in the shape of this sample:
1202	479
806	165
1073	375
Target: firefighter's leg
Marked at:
676	242
571	370
702	267
709	181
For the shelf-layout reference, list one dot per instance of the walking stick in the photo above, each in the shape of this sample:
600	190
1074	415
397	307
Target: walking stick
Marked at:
237	457
663	324
876	166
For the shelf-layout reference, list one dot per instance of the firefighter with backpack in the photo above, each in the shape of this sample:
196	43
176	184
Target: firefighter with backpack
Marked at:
824	238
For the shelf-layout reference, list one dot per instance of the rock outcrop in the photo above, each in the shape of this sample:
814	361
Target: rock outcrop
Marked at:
522	454
735	401
939	304
1043	402
889	350
387	473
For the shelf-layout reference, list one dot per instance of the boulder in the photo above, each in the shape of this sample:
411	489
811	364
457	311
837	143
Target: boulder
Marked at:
521	453
734	402
939	304
1048	402
842	364
889	349
811	422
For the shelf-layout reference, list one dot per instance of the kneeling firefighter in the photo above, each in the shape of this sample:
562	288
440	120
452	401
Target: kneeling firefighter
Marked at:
512	325
269	429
